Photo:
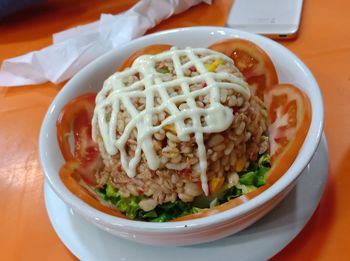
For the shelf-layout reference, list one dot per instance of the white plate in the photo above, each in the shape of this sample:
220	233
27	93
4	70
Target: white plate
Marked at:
260	241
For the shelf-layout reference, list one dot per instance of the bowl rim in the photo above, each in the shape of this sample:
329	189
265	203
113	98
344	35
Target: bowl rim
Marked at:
311	141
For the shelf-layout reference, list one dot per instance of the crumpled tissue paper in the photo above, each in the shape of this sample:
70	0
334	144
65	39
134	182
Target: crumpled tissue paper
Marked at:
74	48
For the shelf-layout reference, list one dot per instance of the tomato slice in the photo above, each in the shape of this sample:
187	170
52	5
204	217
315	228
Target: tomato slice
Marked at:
72	181
80	168
289	117
151	49
76	118
255	65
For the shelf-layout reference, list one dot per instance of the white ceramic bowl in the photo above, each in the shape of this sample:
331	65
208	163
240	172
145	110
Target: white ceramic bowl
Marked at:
290	70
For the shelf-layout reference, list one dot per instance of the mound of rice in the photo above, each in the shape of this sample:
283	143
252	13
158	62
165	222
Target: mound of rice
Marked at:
228	152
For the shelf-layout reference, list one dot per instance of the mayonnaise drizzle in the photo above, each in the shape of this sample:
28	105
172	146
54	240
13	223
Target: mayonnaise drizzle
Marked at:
114	93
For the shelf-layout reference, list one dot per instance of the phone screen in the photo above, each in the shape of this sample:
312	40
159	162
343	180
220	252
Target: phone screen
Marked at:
269	17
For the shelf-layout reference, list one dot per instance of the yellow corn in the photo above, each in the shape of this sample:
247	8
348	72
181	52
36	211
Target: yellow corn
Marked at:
240	165
211	67
170	128
215	184
217	62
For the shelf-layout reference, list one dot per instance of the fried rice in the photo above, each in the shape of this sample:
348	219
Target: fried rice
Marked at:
178	177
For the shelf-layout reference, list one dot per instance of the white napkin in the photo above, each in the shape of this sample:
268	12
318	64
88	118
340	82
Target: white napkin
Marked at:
74	48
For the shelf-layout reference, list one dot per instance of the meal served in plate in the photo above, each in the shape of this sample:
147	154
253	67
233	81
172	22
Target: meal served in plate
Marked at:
183	133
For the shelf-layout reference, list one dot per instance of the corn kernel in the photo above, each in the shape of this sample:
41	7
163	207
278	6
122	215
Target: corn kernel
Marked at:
170	128
211	67
217	62
240	165
215	184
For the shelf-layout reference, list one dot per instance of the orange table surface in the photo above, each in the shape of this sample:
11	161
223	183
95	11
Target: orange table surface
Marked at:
323	45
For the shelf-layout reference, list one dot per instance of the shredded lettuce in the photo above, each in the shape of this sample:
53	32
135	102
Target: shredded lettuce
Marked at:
231	193
248	178
247	188
171	210
163	70
130	206
110	191
256	173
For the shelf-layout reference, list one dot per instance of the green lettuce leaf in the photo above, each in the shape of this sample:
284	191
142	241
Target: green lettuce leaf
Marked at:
256	174
130	206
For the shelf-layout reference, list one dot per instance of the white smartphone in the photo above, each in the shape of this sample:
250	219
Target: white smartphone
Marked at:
272	18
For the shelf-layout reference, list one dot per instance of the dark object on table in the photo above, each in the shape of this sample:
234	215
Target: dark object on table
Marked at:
9	7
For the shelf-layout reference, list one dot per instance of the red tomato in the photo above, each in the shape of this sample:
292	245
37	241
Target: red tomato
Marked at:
71	180
255	65
289	117
151	49
75	118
